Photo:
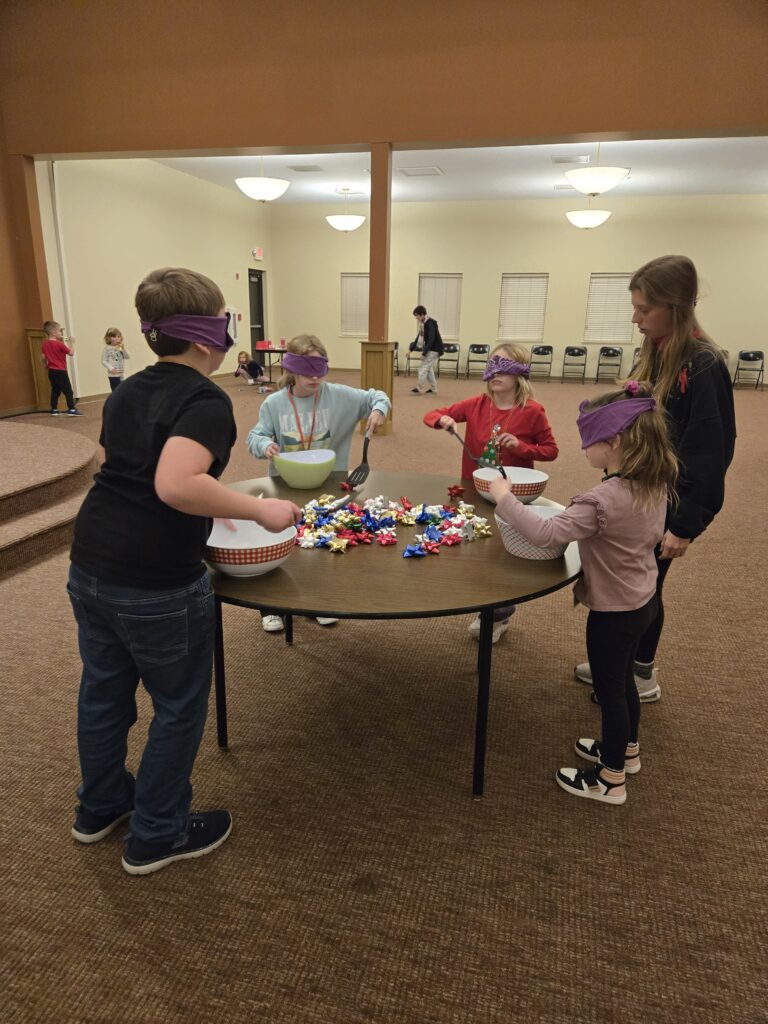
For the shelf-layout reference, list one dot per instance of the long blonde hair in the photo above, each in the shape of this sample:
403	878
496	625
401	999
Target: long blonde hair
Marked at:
648	460
301	345
671	281
523	389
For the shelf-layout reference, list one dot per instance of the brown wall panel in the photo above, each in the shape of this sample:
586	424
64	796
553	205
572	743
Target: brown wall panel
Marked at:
21	285
94	76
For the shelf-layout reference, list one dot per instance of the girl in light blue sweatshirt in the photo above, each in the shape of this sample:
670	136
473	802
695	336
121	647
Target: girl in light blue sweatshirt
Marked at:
308	412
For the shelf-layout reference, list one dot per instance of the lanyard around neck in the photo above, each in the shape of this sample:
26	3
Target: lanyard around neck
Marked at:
306	443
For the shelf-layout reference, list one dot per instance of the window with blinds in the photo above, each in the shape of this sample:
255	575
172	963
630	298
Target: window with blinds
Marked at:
441	295
522	307
354	305
609	308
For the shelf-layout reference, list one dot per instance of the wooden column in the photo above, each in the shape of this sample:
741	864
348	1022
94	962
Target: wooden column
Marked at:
377	354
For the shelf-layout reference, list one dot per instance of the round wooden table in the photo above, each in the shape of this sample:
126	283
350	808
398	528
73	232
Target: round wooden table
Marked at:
376	582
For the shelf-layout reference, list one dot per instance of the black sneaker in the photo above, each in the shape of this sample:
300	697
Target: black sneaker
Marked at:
205	831
90	828
54	412
74	412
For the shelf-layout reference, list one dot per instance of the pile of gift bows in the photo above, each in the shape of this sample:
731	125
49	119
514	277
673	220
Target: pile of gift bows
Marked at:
377	521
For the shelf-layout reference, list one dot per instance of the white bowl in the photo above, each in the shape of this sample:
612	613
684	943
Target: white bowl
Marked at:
250	550
527	484
306	469
519	546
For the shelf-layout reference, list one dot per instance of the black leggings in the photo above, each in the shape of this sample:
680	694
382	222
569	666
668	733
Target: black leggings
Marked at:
60	385
649	641
612	639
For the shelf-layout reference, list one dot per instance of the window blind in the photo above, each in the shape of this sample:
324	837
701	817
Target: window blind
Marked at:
609	308
522	307
441	295
354	305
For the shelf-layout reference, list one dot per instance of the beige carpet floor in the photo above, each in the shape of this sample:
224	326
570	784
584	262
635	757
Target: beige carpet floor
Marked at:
362	883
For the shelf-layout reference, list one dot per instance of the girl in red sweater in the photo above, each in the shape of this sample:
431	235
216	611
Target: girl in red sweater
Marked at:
508	414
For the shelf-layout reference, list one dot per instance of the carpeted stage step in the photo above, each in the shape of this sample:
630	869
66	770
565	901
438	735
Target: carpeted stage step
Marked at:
45	476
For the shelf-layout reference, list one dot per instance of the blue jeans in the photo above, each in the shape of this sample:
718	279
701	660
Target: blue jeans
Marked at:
164	638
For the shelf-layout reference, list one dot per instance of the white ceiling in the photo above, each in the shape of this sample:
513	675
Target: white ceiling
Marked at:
666	167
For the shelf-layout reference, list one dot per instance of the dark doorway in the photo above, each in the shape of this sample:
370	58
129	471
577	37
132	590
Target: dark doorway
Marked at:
256	297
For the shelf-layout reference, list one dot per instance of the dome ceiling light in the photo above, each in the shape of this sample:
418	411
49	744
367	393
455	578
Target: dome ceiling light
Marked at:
345	221
264	190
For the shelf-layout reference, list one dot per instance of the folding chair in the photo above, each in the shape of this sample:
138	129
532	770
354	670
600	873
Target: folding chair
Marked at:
750	366
396	358
541	362
477	354
608	362
415	356
450	354
574	363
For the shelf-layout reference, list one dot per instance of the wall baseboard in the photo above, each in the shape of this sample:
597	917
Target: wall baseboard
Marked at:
21	411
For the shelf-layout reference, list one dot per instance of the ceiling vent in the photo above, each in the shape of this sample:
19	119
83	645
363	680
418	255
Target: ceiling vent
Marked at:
570	159
564	188
422	172
304	167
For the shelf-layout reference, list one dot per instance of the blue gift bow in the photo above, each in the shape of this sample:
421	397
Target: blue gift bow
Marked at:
414	551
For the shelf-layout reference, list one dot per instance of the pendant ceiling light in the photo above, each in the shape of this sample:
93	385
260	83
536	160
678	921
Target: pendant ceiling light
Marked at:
588	218
261	188
593	181
345	221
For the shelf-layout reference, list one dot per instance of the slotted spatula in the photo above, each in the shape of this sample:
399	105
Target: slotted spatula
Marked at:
359	474
471	456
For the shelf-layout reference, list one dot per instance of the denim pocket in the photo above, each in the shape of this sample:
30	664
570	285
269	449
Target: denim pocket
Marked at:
156	639
81	615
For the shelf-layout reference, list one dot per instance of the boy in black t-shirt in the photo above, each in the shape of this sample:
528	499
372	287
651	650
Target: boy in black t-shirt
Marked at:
139	589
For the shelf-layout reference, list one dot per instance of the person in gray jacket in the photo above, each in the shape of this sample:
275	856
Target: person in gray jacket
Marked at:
429	342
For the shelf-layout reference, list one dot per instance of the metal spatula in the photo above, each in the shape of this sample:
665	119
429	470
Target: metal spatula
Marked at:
341	502
359	474
474	458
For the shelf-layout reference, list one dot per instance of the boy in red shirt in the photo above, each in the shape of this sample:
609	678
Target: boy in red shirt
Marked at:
55	353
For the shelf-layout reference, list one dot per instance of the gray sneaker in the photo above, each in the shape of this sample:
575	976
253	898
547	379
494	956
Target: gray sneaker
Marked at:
648	689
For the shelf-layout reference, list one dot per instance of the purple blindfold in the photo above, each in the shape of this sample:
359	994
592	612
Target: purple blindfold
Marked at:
212	331
305	366
606	421
500	364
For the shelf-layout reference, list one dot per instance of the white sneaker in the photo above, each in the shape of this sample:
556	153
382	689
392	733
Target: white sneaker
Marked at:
498	629
250	382
588	784
648	689
272	624
323	621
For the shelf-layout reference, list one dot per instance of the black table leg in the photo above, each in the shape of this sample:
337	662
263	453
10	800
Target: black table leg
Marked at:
288	619
219	680
483	696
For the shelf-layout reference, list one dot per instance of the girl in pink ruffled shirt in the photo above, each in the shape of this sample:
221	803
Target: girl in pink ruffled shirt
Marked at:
617	525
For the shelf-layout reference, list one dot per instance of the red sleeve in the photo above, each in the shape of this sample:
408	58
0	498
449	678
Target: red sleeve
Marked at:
539	443
461	412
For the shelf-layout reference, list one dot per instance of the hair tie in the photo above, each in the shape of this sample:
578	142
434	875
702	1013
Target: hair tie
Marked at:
631	387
